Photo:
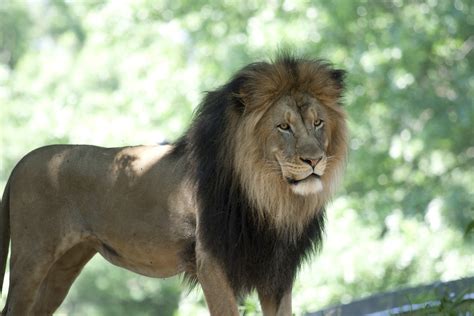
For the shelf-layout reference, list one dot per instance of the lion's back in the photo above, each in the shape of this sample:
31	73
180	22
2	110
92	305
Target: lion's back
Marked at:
48	167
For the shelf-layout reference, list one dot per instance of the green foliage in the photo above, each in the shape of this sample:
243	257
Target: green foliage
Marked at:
469	229
106	290
435	304
15	24
126	72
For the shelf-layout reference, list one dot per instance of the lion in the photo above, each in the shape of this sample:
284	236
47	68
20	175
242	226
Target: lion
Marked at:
236	204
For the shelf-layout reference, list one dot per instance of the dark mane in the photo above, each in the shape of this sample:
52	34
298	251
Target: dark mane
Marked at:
251	251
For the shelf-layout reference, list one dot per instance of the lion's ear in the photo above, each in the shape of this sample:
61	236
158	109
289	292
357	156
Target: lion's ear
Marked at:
242	94
339	75
248	99
243	99
237	94
247	93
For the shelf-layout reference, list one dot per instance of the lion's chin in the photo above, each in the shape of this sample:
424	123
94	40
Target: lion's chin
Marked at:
308	186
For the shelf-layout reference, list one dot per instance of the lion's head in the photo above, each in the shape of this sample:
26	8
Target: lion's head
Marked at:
273	137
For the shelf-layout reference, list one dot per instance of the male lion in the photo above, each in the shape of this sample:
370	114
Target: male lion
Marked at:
236	204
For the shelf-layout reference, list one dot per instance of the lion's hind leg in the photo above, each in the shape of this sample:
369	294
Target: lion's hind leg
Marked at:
27	272
60	277
36	271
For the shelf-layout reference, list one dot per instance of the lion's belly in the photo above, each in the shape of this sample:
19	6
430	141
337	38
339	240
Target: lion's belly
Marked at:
160	262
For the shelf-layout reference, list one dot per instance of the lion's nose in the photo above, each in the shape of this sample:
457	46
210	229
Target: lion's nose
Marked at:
311	162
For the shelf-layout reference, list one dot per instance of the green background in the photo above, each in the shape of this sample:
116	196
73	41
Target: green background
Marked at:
131	72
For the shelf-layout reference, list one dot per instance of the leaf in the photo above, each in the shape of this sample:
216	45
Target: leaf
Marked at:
469	229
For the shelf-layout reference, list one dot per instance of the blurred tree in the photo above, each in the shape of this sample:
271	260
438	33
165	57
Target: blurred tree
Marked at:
15	25
125	72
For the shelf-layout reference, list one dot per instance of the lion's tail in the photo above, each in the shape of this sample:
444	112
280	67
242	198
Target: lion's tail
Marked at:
4	231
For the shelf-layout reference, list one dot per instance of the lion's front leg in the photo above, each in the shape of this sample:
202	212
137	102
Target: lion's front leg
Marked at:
219	295
275	305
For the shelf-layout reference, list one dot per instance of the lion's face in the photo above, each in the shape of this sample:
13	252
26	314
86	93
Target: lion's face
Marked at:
289	139
297	141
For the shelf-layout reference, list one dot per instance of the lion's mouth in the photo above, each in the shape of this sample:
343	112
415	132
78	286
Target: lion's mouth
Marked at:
312	184
311	177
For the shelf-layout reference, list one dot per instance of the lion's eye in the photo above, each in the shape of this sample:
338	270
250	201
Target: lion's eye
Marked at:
318	123
284	127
